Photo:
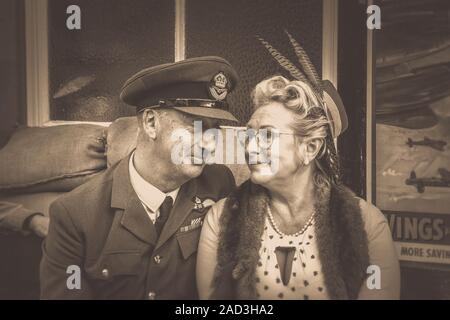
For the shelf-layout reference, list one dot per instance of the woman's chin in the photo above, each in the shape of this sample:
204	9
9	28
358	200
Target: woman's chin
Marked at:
260	173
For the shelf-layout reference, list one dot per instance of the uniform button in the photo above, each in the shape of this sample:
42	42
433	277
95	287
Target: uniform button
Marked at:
151	295
105	273
157	259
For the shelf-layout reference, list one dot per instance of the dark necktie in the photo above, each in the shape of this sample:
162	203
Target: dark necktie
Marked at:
164	212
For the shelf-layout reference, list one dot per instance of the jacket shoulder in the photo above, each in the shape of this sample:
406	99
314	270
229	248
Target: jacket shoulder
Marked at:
217	179
94	186
87	201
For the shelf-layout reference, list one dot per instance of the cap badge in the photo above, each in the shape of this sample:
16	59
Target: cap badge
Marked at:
218	87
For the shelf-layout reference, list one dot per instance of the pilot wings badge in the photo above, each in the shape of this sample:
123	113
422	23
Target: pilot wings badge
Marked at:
200	204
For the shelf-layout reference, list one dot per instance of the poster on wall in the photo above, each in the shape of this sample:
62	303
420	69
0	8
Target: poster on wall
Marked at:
412	108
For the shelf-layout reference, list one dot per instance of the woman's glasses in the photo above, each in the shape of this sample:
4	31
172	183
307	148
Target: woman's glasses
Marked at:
264	137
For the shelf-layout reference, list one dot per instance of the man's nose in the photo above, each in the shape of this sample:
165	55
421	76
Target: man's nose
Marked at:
209	142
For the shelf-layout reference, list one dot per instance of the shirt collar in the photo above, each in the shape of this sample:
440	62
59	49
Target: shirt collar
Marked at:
150	195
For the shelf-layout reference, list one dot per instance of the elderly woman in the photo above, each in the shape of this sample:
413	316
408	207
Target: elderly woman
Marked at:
295	232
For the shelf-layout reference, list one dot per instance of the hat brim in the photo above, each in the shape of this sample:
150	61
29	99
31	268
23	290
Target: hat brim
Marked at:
335	108
208	113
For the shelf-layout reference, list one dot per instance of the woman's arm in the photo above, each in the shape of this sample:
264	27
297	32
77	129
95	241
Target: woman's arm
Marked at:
207	250
382	255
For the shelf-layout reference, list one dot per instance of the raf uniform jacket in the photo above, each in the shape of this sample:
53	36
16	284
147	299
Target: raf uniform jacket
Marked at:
103	229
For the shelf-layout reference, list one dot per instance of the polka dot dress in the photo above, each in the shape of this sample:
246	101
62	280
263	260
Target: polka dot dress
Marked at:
306	279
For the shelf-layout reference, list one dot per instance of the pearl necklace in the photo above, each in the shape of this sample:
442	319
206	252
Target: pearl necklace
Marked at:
301	231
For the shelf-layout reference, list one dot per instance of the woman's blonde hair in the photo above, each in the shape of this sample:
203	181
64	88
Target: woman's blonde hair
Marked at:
309	122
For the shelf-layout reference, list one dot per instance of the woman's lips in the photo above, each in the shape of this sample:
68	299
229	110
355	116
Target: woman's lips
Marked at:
197	161
257	159
258	165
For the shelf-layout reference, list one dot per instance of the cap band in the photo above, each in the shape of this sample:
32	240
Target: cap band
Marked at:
181	102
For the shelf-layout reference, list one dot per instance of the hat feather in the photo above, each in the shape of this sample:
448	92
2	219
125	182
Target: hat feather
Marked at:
334	107
305	62
283	61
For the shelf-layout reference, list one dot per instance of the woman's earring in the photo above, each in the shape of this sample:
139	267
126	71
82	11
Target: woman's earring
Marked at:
306	162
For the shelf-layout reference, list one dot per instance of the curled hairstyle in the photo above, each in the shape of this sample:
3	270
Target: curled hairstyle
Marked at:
309	121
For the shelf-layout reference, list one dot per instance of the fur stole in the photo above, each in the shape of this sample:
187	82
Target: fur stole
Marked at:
342	242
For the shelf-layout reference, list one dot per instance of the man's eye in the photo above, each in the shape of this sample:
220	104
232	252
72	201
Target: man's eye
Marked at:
214	125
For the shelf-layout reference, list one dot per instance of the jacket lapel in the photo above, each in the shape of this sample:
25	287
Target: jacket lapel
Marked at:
181	209
123	196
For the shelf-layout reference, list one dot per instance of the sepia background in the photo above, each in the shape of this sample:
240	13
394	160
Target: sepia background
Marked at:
394	83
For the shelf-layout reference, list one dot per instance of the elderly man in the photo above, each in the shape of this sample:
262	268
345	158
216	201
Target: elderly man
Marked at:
132	232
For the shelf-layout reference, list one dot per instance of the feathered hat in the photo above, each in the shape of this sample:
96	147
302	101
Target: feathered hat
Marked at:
334	107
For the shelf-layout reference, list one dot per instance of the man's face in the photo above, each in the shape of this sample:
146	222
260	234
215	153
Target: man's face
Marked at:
176	132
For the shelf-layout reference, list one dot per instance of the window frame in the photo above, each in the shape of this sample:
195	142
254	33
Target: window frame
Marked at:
37	65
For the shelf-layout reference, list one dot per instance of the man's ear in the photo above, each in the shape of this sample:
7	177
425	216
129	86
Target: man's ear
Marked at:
150	122
311	149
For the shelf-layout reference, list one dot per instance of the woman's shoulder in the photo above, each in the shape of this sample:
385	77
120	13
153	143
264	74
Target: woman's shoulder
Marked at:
212	218
217	208
370	211
373	219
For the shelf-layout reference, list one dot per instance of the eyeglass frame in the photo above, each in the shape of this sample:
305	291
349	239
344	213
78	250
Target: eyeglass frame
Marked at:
258	134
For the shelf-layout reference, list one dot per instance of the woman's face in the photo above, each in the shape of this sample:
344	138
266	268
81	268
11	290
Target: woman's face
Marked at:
283	149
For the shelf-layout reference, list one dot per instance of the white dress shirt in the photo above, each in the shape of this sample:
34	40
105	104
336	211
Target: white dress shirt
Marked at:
151	197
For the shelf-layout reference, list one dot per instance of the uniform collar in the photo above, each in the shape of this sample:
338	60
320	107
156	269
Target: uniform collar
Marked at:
136	220
150	195
134	217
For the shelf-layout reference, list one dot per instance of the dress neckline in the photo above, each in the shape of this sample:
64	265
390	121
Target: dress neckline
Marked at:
296	234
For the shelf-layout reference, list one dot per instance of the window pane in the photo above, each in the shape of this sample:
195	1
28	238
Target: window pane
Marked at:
229	29
12	66
89	66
